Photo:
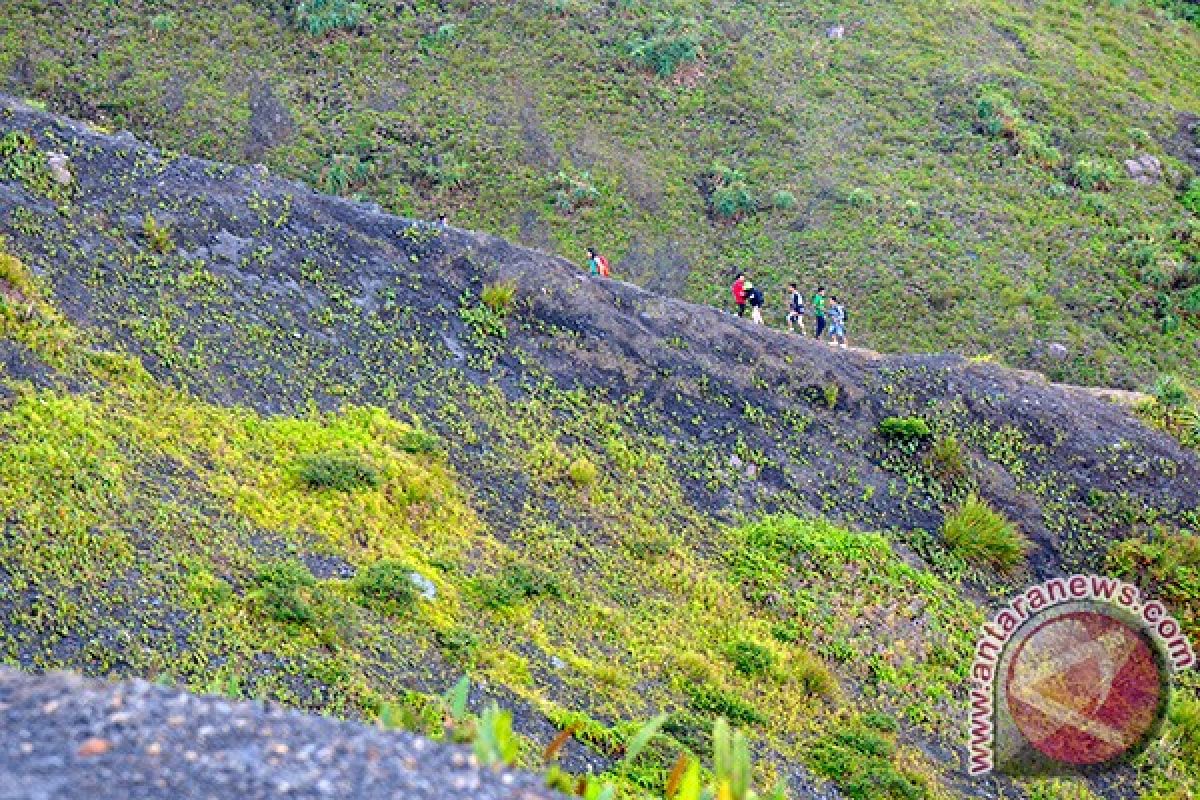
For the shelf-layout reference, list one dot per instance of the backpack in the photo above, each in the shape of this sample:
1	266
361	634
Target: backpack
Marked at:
602	262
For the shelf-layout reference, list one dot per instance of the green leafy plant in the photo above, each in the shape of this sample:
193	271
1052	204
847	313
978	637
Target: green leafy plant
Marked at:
386	585
318	17
495	743
570	192
665	50
947	459
342	472
416	440
499	296
515	584
1094	174
714	700
730	197
906	432
751	658
980	534
158	236
277	591
582	472
1191	196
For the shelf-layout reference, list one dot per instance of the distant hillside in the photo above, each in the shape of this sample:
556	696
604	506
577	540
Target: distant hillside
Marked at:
954	170
270	443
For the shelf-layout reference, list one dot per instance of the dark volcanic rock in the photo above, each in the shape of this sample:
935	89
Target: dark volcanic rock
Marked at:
271	122
67	738
313	299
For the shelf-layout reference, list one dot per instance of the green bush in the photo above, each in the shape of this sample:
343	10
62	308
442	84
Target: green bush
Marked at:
730	197
783	200
342	472
277	591
583	472
386	585
947	460
570	192
499	296
861	761
860	198
710	699
158	236
319	17
517	583
813	675
416	441
978	533
904	428
751	658
1094	174
1191	197
663	53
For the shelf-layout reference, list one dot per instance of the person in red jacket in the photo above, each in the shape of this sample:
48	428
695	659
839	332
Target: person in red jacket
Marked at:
739	294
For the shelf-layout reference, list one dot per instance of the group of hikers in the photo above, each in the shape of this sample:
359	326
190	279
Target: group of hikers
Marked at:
828	314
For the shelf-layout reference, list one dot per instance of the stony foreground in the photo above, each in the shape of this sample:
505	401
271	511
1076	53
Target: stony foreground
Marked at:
67	737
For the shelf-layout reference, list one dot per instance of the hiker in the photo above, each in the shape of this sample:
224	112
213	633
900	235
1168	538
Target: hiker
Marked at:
795	317
818	307
837	322
443	221
597	264
739	294
754	297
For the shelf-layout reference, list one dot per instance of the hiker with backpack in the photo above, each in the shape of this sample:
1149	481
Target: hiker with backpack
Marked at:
754	297
818	307
597	264
837	322
795	315
739	294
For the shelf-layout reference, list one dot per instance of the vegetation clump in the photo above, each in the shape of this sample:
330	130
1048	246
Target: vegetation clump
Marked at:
341	472
387	586
980	534
318	17
517	583
278	590
861	758
751	658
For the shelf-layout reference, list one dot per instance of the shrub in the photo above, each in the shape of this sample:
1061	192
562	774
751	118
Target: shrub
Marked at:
979	533
730	197
499	296
664	52
277	591
813	675
751	658
516	584
319	17
14	275
582	472
783	200
1191	197
860	198
342	472
570	192
158	236
1093	174
947	460
386	585
415	440
904	428
711	699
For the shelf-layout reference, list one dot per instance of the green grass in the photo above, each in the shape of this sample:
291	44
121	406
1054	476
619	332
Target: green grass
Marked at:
927	151
980	534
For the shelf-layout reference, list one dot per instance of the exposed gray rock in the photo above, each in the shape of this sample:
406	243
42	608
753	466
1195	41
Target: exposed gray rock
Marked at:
1145	169
67	738
60	168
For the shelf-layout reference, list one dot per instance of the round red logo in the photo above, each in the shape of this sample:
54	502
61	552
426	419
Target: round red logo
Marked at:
1085	688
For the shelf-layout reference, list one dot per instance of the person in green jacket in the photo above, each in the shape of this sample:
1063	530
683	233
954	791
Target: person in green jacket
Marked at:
818	307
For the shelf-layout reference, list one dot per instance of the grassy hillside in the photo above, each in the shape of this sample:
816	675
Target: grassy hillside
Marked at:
152	534
258	412
953	170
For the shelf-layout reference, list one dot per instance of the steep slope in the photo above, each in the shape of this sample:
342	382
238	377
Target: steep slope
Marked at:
954	170
594	535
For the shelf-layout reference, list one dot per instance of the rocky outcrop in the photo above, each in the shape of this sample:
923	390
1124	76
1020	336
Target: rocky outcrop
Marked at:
66	738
